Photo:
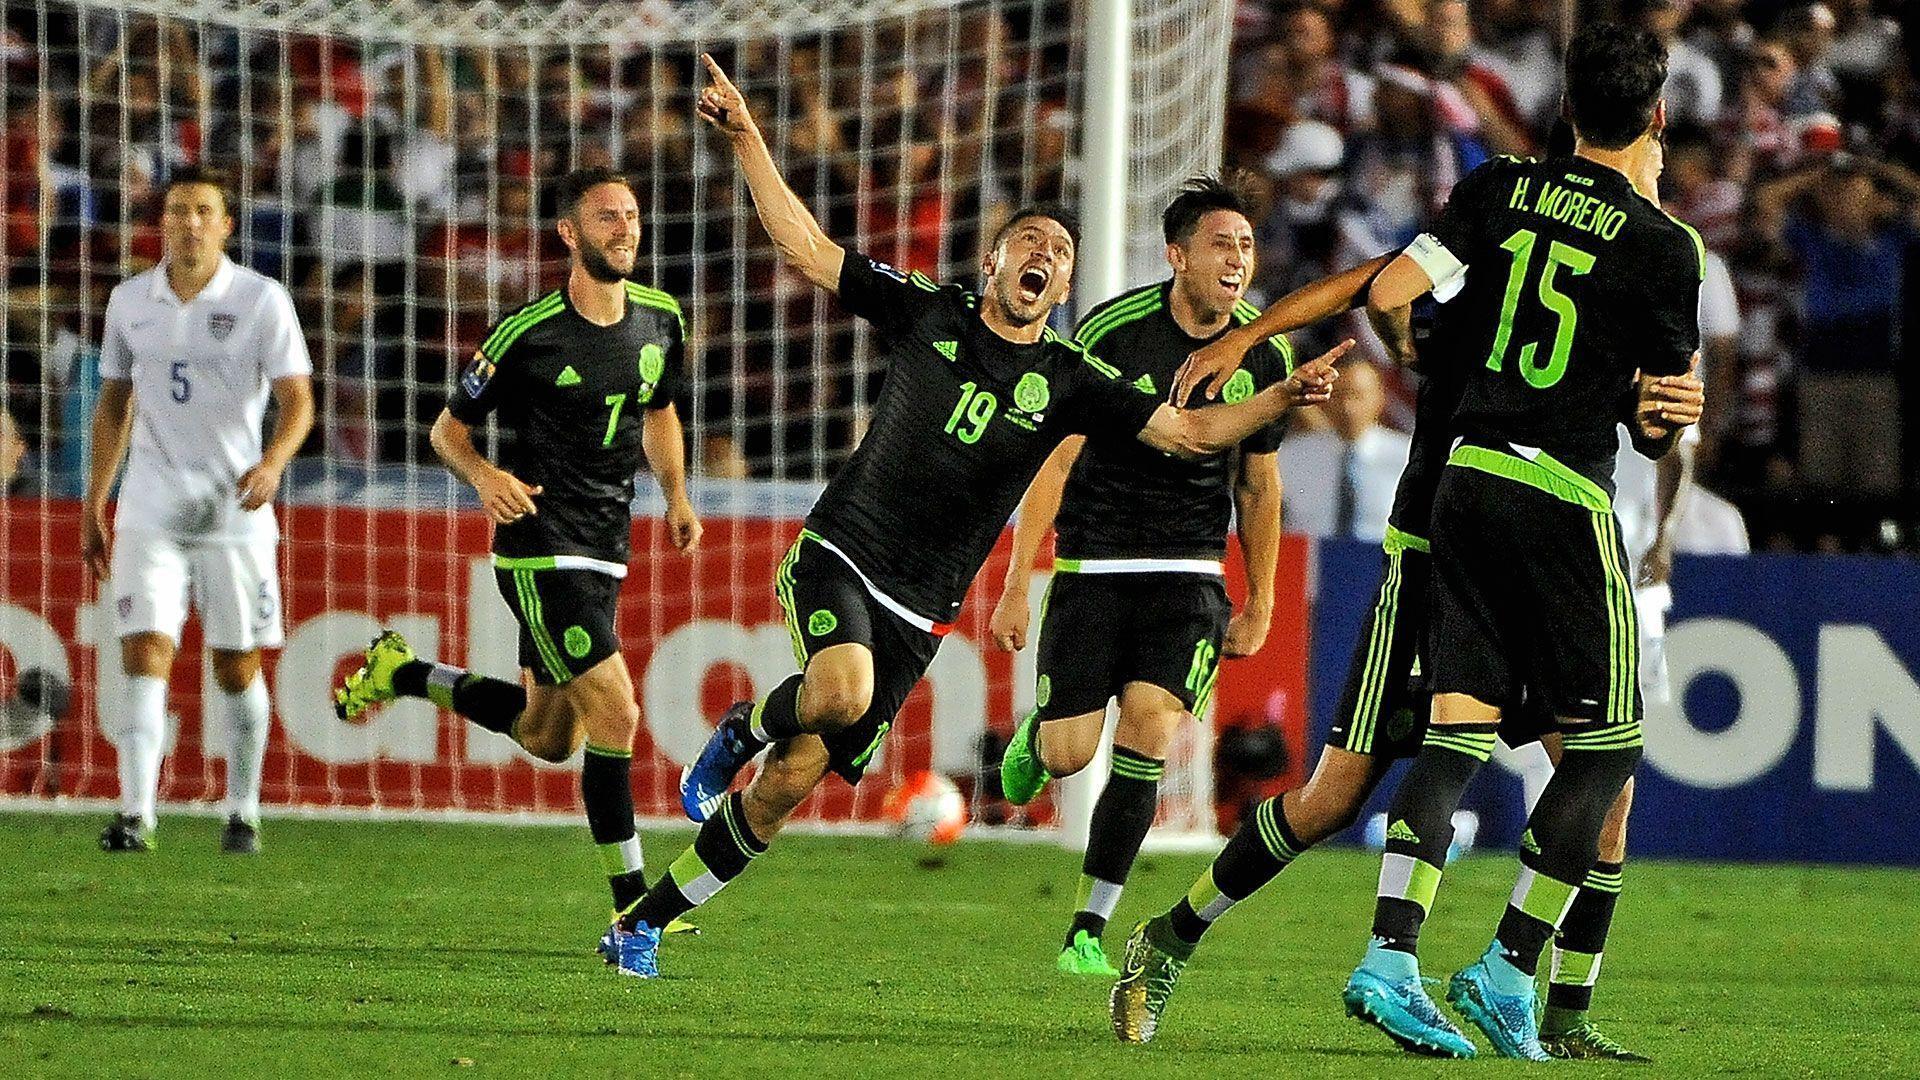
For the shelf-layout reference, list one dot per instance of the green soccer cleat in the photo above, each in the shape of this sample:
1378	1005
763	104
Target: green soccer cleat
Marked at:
1151	966
1084	957
1585	1042
373	683
1022	777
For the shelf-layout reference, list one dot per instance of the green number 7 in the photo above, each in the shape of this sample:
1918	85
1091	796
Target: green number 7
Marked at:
615	400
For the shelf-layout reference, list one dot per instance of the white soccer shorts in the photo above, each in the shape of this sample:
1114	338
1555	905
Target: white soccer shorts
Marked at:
234	585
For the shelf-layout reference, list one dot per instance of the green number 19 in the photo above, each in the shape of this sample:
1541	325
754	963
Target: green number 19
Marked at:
615	400
974	409
1520	245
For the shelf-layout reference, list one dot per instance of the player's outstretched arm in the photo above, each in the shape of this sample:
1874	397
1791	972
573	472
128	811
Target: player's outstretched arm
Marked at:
1390	304
1209	368
665	445
293	394
1195	433
112	423
1038	509
502	495
799	237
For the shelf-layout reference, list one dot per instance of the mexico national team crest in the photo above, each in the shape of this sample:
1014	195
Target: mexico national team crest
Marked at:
220	324
653	362
1239	388
1031	394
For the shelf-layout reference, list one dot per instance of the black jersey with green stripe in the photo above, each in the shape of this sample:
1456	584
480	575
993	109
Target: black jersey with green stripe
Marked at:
571	394
1573	282
1126	500
964	419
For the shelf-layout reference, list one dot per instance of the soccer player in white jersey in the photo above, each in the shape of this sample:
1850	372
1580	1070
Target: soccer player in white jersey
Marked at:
192	349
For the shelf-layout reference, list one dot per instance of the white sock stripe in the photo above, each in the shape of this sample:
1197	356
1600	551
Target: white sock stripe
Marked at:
701	889
1216	907
444	676
631	858
1102	897
1521	886
1559	955
1396	875
755	729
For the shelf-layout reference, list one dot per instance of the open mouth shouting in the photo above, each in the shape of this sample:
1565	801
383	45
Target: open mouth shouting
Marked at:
1033	283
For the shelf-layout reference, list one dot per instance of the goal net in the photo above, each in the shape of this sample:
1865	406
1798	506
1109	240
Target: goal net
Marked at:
392	163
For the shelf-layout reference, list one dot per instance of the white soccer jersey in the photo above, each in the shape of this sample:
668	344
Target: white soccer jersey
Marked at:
202	373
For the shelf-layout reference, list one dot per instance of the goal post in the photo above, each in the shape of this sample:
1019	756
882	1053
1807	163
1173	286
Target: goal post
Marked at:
390	160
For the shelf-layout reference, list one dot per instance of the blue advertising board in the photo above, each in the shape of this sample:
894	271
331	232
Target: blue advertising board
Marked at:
1794	728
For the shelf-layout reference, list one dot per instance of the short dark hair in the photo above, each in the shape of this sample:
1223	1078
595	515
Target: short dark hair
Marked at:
1200	196
1614	76
1051	212
573	187
212	176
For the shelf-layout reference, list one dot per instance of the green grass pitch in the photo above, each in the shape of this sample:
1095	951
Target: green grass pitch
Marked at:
429	949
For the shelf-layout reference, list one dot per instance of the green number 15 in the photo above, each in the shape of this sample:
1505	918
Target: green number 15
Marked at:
1520	245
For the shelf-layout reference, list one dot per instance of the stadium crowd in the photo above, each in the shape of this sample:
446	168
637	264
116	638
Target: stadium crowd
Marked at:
396	191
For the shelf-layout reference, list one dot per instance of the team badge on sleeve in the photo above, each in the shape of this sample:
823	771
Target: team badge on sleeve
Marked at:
478	374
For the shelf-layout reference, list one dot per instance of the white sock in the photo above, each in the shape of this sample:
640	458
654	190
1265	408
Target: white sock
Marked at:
146	732
248	717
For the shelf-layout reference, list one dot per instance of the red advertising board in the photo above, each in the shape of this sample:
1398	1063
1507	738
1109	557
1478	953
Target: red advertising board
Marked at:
698	633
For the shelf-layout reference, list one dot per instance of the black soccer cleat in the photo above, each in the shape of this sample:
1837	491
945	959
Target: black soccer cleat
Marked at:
239	838
125	833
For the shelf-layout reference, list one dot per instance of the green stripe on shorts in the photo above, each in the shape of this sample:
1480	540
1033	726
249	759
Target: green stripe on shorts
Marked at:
537	626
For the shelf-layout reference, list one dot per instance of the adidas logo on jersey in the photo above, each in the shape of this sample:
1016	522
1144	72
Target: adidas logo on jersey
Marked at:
568	377
948	349
1144	384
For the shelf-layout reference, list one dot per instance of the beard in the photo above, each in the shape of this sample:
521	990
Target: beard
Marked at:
598	266
1017	313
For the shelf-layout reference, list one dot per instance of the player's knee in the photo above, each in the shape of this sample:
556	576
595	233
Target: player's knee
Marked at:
233	672
833	702
1149	732
146	654
1068	744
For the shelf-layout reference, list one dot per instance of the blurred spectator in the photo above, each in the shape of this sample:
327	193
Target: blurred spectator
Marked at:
1754	129
1851	240
1807	32
13	452
1298	238
1865	43
362	217
1450	41
485	264
1322	86
1694	190
1340	482
1694	90
1515	39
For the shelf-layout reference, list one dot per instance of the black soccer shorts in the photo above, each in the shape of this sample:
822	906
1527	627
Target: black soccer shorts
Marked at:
826	604
1531	591
566	618
1385	704
1099	632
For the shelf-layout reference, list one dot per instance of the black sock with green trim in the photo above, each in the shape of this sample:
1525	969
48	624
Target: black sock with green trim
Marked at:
1420	829
606	790
1121	817
777	717
493	704
1577	948
719	853
1261	847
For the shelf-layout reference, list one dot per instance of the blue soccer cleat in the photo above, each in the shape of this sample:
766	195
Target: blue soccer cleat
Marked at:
704	784
1506	1018
632	952
1398	1005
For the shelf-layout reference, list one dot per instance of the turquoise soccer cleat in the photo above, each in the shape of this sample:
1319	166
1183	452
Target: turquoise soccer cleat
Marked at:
1506	1018
1396	1002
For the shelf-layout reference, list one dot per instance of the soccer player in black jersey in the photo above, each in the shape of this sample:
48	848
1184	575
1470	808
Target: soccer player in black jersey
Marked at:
1137	609
1573	291
978	392
1382	715
590	380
